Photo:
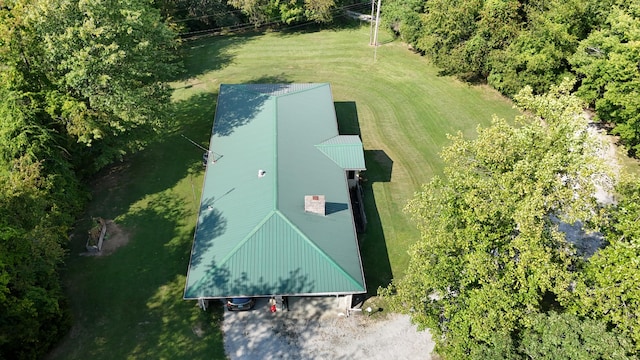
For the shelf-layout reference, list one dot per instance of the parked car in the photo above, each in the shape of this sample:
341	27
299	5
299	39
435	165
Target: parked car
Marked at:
205	158
240	303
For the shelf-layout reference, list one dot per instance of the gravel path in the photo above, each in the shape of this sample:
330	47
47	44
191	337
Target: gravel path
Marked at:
317	329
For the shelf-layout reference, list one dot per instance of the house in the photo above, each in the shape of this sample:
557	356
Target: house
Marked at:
275	217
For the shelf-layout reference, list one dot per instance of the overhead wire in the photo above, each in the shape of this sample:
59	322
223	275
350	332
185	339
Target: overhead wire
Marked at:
270	21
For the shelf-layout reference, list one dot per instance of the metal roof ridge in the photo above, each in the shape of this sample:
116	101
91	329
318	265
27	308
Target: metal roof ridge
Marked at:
248	236
316	85
318	249
275	152
328	142
322	145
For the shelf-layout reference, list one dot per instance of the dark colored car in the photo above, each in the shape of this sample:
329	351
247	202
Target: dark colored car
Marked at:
240	303
205	158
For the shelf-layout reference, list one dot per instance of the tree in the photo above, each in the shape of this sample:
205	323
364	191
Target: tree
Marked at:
498	25
537	55
404	18
79	82
608	65
262	12
447	25
258	11
197	15
490	257
319	10
34	314
611	278
568	337
39	197
97	67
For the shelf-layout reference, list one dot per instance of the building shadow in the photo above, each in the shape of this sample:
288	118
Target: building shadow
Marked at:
379	166
347	115
373	245
334	207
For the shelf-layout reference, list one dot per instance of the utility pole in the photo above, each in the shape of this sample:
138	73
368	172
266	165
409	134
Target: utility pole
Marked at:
375	35
373	4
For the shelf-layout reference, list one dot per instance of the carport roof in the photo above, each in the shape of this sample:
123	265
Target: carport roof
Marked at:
253	237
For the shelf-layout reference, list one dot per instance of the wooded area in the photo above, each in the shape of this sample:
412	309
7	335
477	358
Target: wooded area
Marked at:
514	43
82	85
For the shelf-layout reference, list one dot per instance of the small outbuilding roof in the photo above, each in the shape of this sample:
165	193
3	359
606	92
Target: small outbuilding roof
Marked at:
272	145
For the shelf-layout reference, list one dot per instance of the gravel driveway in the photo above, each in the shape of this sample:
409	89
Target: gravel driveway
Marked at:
316	328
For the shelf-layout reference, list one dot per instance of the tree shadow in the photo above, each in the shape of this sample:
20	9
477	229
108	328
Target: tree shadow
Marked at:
167	160
222	280
271	79
210	226
206	55
242	104
340	22
129	304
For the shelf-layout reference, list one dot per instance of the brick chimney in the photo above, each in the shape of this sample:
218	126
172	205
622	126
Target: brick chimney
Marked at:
314	204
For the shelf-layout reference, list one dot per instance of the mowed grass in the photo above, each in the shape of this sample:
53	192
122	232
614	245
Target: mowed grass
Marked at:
129	305
399	104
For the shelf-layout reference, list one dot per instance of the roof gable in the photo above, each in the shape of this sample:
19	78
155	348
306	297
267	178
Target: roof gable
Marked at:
345	150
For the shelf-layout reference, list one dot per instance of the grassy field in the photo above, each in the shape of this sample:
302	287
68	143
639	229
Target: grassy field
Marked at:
129	304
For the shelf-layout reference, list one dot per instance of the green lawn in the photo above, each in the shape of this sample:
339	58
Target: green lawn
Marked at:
128	304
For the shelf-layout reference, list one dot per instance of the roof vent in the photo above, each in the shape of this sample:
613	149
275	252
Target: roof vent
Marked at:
314	204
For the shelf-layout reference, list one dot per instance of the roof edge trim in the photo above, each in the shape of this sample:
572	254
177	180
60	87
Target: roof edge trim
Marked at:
312	86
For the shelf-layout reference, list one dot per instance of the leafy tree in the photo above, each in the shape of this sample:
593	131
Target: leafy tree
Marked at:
39	196
537	55
490	257
79	82
447	25
287	12
498	25
34	314
319	10
611	287
568	337
404	18
96	67
194	15
608	64
258	11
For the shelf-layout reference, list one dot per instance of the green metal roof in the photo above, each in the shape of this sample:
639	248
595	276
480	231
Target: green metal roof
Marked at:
344	150
253	237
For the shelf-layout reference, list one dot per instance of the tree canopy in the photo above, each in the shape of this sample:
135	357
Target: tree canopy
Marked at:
82	83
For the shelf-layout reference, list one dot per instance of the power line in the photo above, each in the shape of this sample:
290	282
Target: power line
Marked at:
270	21
207	16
